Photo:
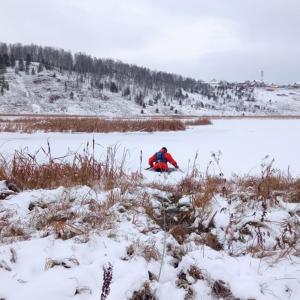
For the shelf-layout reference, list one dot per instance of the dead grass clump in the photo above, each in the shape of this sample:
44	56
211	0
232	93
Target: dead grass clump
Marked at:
145	293
57	217
66	220
221	291
177	252
150	251
4	220
209	187
212	241
98	216
52	214
271	184
188	185
13	232
295	191
183	283
198	122
195	272
26	172
179	232
66	263
147	249
90	124
266	188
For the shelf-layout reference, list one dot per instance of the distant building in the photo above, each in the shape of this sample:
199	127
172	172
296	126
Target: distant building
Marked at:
296	85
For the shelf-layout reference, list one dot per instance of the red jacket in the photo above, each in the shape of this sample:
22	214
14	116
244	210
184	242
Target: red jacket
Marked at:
156	165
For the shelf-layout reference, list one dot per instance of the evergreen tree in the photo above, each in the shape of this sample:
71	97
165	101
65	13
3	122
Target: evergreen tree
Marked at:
126	92
27	64
40	68
6	60
12	61
113	87
2	65
21	64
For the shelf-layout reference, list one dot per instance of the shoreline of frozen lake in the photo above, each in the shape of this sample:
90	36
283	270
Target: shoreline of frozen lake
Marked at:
243	143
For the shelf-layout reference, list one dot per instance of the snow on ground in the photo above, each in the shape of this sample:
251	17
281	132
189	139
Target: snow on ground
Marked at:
243	144
285	100
30	273
80	259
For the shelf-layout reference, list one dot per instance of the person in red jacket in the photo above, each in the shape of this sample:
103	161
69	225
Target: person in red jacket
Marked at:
159	160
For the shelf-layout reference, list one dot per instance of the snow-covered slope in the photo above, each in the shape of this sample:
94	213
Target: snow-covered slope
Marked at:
55	92
55	244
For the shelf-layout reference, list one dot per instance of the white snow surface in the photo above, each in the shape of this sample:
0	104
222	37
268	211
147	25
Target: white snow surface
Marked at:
28	277
243	145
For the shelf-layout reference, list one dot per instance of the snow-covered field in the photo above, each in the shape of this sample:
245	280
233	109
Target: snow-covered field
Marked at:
243	144
46	267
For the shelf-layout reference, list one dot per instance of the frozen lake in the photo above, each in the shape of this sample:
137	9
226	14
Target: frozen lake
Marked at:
242	142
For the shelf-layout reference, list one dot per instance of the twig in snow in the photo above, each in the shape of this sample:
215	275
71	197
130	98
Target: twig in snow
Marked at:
13	258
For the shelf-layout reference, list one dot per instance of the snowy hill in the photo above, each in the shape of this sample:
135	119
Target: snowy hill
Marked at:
55	92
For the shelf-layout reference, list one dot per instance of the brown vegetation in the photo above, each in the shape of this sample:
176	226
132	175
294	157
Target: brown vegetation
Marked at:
26	172
93	124
198	122
148	250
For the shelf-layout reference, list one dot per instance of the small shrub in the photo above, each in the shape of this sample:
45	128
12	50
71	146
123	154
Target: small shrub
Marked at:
148	250
145	293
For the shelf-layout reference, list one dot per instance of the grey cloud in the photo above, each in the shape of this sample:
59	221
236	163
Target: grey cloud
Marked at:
230	40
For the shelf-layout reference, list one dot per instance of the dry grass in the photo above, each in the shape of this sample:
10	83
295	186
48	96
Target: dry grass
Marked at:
256	193
145	293
195	272
11	230
26	172
270	185
198	122
209	187
62	124
221	290
65	220
146	249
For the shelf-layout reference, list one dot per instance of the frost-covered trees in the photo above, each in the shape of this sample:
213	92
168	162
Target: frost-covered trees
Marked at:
4	86
2	65
21	65
122	73
133	82
27	64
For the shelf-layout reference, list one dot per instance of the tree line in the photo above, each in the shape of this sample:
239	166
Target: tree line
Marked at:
100	69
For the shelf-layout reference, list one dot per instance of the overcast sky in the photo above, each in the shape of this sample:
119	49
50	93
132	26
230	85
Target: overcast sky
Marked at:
205	39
